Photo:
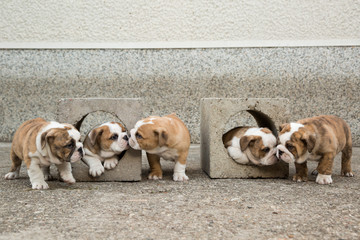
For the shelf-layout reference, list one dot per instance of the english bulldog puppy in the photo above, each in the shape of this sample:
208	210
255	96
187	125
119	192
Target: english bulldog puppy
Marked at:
39	143
165	137
320	139
102	145
251	145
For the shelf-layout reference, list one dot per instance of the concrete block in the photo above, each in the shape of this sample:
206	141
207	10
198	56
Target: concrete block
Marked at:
216	112
128	110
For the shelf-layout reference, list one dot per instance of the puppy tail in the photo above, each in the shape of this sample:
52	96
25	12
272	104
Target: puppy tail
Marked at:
347	153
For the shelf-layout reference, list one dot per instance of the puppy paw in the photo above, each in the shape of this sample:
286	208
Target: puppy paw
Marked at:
96	170
11	175
110	163
155	176
299	178
68	179
347	174
323	179
48	177
40	185
179	177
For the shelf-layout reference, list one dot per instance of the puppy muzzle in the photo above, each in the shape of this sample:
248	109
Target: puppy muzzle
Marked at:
75	155
132	140
283	154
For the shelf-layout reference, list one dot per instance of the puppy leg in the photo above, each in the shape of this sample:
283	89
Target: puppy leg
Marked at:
346	162
95	166
301	172
314	172
325	169
179	170
65	173
46	172
110	163
155	166
15	166
36	175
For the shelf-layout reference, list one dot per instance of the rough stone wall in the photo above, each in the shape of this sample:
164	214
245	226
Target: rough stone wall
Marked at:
316	80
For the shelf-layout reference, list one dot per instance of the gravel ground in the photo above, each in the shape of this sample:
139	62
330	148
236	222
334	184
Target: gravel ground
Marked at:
201	208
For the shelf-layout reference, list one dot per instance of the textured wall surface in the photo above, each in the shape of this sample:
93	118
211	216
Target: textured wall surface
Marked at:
321	80
200	20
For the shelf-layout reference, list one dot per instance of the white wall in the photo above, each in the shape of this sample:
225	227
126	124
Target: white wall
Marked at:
180	23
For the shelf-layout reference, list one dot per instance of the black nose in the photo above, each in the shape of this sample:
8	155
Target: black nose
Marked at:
81	151
280	152
125	138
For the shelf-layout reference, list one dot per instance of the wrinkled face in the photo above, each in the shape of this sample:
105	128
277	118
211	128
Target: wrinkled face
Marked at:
64	144
146	135
110	137
259	144
293	145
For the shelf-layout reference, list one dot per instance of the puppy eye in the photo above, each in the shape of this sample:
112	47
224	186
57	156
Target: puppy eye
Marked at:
290	147
266	149
70	145
114	137
138	136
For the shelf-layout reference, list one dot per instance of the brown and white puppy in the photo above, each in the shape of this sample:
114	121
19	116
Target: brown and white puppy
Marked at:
251	145
165	137
39	143
320	139
102	145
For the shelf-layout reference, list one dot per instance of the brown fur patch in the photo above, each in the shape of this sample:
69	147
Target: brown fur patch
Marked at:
256	148
235	132
24	140
58	139
301	172
285	128
266	130
98	139
248	141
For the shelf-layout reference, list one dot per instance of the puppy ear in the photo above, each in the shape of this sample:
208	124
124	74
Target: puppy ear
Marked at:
163	136
245	141
282	126
45	137
309	140
94	134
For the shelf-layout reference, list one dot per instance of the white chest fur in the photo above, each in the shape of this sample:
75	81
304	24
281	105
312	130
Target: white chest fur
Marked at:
165	152
39	159
105	154
236	153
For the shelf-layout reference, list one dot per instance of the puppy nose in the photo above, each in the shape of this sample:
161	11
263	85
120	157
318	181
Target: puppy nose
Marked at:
81	151
280	152
125	138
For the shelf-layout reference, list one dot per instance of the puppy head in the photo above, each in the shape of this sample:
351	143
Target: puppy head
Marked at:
259	144
109	137
295	143
147	135
62	144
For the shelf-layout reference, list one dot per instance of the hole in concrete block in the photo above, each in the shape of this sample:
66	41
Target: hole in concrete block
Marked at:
240	119
94	119
249	118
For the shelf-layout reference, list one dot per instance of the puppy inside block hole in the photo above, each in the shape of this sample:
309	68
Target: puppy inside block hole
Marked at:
105	140
250	138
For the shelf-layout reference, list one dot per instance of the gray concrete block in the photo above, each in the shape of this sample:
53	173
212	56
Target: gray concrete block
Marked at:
128	110
216	112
